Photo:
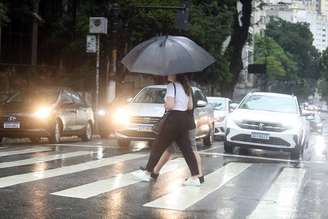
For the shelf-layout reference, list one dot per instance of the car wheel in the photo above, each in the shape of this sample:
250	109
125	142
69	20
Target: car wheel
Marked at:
209	139
88	131
296	153
123	142
228	148
56	133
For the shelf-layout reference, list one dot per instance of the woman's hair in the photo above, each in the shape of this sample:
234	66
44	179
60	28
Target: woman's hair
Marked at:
185	82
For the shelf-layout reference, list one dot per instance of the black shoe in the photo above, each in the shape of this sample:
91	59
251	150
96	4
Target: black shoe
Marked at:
154	175
201	179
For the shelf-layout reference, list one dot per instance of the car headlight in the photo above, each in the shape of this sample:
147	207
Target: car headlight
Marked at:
220	118
43	112
292	124
101	112
121	117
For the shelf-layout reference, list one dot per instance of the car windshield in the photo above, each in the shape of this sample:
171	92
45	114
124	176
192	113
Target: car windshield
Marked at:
151	95
217	104
270	103
35	96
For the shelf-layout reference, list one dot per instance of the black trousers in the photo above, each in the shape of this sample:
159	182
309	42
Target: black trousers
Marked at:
175	129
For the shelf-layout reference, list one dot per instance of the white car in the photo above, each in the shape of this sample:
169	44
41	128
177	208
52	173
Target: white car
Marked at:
268	121
134	122
221	108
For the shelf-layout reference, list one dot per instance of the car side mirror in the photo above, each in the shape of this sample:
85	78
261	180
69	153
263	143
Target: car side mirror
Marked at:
233	106
201	103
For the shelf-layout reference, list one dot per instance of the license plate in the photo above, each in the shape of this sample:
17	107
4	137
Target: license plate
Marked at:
11	125
144	128
261	136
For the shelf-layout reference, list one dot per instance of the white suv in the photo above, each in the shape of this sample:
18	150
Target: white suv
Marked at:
267	121
134	122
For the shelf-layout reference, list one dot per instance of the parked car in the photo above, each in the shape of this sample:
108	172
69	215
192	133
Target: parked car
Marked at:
221	108
316	123
134	122
267	121
50	112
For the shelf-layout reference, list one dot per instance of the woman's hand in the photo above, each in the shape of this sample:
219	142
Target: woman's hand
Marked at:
190	103
169	103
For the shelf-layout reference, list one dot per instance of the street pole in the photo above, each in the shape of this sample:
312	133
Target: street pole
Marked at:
97	71
35	30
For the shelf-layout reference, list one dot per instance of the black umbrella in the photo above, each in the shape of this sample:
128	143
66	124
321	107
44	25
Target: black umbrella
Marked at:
167	55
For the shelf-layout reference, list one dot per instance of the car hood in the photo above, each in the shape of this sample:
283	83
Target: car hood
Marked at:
264	116
145	109
16	108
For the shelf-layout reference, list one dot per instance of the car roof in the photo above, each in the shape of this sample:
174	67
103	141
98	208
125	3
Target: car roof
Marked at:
218	98
163	86
272	94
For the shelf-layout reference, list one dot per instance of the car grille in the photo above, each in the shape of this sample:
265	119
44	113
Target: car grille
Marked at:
25	121
262	126
144	120
136	134
271	141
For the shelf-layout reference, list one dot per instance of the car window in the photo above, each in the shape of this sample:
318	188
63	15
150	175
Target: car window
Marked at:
198	96
77	98
151	95
283	104
218	104
66	97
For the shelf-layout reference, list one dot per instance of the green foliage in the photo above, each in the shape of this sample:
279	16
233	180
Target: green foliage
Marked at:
3	13
323	88
296	40
210	25
279	63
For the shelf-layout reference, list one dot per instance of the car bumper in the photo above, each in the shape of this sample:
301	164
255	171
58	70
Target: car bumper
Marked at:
277	140
136	132
28	127
219	129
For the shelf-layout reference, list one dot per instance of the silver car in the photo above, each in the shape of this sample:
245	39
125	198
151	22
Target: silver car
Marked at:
134	121
221	108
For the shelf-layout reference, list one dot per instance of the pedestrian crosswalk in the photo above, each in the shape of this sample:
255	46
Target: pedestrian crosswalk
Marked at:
279	199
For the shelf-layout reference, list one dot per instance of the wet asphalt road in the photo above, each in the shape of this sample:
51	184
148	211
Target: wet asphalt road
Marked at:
93	180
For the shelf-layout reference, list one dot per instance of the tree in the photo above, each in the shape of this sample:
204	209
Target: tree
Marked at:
239	36
3	13
279	63
296	40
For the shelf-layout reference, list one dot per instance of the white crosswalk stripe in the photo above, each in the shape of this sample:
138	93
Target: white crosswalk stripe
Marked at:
280	200
107	185
43	159
25	151
184	197
33	176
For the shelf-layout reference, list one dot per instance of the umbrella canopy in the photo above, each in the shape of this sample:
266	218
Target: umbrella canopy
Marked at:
167	55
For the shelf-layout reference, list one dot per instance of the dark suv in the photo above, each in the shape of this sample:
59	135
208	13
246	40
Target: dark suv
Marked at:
50	112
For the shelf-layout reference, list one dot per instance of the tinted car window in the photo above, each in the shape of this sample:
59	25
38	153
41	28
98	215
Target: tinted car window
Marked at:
150	95
270	103
199	96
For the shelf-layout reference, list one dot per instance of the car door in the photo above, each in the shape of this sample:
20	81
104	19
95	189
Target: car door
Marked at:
68	111
82	110
201	115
